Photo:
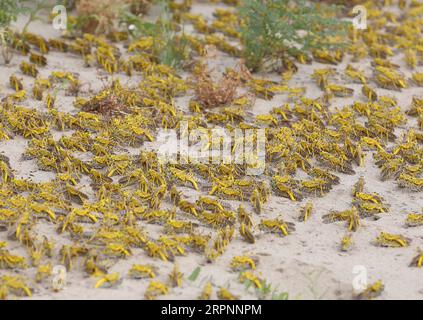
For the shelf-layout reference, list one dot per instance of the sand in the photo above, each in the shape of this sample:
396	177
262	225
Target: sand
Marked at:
306	264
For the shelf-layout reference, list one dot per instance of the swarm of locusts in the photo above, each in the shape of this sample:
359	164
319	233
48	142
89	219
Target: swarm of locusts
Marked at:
103	199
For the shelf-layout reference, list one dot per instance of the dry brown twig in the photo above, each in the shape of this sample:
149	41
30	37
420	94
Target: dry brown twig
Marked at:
211	92
109	105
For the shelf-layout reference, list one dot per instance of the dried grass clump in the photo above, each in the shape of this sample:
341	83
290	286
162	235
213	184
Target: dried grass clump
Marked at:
212	94
110	105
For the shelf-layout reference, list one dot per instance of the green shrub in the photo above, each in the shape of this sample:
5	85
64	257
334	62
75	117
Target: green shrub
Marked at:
272	29
9	10
169	47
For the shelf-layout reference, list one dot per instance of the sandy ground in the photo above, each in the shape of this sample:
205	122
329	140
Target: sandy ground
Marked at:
307	264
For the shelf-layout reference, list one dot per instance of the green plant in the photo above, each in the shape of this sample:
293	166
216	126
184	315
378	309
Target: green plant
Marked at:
280	296
273	29
9	10
169	47
33	11
265	290
100	16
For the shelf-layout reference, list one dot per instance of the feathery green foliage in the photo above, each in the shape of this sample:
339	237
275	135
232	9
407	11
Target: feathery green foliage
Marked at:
9	10
272	29
169	47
